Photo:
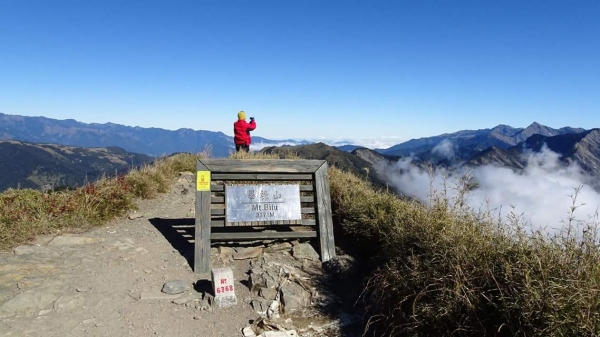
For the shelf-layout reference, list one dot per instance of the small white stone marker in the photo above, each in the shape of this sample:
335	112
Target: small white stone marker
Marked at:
222	280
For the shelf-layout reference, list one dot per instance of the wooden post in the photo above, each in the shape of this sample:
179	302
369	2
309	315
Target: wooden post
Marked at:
326	240
203	218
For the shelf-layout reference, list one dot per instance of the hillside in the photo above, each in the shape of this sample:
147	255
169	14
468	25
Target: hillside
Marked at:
42	166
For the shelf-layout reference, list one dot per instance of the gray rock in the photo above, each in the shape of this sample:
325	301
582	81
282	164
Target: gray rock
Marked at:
31	301
71	240
224	254
305	251
225	301
268	293
256	281
69	302
225	250
248	332
247	253
270	281
279	247
26	249
274	273
259	305
133	216
174	287
294	298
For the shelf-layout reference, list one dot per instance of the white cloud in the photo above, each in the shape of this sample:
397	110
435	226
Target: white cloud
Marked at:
444	149
541	192
371	143
260	146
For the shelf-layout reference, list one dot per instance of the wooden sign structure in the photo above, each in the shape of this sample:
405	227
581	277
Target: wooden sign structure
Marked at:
212	179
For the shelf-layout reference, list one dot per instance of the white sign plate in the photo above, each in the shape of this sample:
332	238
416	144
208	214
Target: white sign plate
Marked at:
262	203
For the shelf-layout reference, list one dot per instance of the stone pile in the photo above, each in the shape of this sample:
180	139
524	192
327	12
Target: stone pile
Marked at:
282	278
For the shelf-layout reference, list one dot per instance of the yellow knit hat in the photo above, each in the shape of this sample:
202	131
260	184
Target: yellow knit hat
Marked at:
241	115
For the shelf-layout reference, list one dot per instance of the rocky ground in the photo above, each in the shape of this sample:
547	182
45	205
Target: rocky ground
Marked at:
134	277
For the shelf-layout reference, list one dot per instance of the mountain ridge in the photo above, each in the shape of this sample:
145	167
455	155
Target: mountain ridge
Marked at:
51	166
466	141
150	141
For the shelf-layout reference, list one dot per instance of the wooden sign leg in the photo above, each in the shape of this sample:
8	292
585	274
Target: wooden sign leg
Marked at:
203	218
326	241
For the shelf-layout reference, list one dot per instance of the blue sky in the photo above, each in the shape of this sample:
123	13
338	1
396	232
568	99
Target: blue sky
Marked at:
304	68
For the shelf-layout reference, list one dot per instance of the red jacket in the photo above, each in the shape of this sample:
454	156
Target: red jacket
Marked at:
241	131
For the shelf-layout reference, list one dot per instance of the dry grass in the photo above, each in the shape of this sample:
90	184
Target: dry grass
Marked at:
27	213
436	271
447	271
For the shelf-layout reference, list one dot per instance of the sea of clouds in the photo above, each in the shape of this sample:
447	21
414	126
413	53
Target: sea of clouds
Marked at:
371	143
541	194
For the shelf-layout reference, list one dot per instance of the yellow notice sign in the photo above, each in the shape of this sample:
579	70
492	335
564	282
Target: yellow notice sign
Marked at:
203	181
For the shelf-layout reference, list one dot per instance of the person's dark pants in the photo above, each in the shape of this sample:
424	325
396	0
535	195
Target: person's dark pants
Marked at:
242	147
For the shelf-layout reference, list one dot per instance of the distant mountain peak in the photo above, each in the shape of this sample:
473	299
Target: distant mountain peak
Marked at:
537	126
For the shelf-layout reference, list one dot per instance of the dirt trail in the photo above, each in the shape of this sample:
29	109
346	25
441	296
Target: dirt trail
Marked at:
104	282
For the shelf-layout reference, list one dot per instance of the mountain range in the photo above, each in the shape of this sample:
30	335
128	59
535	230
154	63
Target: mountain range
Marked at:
150	141
466	143
582	148
43	164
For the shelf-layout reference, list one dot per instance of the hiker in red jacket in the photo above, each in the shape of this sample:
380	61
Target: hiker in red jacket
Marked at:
241	132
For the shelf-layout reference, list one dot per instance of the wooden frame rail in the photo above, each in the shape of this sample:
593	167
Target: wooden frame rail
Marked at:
213	174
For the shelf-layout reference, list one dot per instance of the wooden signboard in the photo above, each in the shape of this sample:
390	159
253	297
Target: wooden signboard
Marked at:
261	193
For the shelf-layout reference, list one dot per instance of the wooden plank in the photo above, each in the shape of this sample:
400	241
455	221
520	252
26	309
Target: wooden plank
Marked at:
307	199
262	235
202	231
307	210
262	165
217	211
221	211
324	218
262	176
221	223
217	223
221	188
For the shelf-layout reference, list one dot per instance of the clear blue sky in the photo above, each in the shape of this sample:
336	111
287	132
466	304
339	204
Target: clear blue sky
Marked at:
304	68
